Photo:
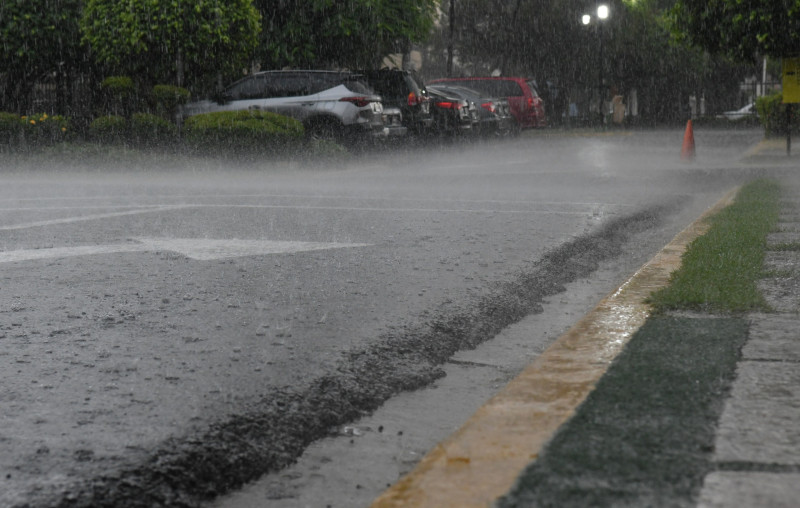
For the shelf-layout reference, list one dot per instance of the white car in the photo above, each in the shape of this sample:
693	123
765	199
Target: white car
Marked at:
749	110
329	104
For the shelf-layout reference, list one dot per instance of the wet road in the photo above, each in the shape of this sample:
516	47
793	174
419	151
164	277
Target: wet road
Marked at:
142	305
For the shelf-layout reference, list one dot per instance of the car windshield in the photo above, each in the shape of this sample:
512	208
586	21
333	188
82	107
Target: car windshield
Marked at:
293	84
492	87
356	85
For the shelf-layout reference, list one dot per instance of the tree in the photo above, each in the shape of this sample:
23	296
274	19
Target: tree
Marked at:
162	38
39	40
343	33
546	40
740	30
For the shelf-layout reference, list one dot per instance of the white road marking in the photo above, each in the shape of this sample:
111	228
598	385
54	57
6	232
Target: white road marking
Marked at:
208	249
394	210
197	249
337	197
64	252
81	218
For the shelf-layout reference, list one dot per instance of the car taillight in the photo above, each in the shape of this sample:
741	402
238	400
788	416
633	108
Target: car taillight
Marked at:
530	102
358	101
449	105
413	100
488	106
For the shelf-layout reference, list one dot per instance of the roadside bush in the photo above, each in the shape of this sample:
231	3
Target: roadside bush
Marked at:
772	113
243	132
42	130
20	132
166	98
148	130
108	129
11	127
119	94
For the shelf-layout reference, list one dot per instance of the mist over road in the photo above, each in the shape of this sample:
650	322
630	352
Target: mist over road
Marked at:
167	334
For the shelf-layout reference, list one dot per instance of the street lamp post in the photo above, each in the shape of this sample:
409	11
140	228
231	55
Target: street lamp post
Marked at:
601	14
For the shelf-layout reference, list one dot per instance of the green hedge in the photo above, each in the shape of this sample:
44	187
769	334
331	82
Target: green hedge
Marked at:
120	87
148	130
108	129
772	113
11	127
165	99
246	132
143	130
27	131
119	96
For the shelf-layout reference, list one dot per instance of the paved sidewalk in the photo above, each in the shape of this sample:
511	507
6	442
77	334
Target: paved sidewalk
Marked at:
757	450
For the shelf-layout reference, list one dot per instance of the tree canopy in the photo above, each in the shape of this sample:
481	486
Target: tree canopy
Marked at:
37	40
548	41
738	29
343	33
158	38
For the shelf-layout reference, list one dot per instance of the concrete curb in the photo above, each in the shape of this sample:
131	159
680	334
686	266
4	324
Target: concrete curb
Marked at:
757	449
480	462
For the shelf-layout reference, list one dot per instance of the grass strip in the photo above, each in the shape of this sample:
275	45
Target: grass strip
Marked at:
720	269
645	435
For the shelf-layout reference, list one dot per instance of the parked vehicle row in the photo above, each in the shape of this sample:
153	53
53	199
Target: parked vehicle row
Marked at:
364	104
488	115
521	94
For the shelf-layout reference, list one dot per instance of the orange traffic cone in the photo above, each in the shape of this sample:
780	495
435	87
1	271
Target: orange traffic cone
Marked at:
687	152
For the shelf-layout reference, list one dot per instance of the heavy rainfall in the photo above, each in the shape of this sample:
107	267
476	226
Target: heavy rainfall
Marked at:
270	253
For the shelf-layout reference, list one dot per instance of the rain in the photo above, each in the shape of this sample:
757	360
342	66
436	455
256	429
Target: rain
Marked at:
271	252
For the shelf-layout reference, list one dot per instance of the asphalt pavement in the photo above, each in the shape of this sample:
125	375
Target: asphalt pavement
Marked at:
694	410
747	437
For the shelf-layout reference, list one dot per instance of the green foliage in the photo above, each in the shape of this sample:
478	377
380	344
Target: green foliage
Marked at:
118	86
741	30
29	131
546	40
23	132
119	96
159	39
346	33
42	129
11	127
37	38
108	129
719	270
167	98
148	130
772	113
246	132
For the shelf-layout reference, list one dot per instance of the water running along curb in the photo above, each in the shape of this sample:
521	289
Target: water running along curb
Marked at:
481	461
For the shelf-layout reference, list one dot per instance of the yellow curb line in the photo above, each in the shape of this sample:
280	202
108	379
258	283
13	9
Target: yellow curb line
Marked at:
763	146
481	461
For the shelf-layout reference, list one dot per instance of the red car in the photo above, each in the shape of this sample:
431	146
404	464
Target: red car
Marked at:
526	105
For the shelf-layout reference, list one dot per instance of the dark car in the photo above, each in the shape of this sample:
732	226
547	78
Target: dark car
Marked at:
494	115
526	105
452	115
399	89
